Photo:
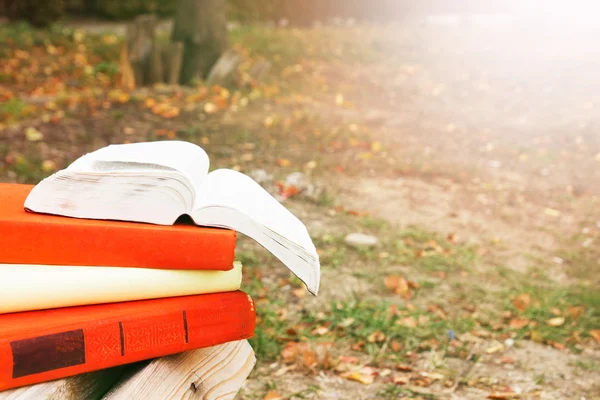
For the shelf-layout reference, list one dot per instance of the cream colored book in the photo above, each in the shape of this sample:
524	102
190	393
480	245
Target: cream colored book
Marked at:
37	287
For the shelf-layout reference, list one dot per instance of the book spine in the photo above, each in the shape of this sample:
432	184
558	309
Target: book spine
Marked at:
137	246
75	349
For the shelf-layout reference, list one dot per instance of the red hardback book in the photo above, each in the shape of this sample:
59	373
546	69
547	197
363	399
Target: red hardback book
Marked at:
30	238
39	346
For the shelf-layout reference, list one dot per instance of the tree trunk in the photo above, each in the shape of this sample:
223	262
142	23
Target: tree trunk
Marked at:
202	27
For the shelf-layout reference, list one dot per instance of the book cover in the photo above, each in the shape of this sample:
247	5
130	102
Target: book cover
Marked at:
26	287
29	238
38	346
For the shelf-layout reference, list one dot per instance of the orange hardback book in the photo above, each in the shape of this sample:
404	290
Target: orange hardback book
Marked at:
39	346
30	238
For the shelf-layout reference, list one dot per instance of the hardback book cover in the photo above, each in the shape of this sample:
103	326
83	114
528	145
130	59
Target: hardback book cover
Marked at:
39	346
31	238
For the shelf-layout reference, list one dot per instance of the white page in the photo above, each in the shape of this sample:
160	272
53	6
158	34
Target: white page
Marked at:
224	187
189	159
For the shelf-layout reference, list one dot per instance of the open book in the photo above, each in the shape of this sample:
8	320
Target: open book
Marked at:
157	182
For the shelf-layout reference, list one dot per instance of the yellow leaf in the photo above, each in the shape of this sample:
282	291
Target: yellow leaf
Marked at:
48	166
271	395
376	147
210	108
365	377
595	333
557	321
284	162
149	103
339	99
551	212
33	135
537	337
376	337
494	349
311	165
268	122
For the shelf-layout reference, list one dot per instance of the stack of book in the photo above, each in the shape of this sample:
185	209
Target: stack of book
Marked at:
123	279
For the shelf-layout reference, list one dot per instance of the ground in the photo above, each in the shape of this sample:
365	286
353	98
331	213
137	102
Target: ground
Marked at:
468	147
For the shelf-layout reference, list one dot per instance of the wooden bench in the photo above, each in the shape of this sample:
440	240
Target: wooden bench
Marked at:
216	372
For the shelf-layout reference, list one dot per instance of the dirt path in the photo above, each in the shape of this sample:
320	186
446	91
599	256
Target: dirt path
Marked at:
516	180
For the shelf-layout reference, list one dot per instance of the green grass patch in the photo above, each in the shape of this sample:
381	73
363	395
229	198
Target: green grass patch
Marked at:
579	306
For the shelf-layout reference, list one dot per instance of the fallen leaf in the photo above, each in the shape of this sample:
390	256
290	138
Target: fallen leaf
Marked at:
452	238
396	284
495	349
271	395
518	323
506	360
404	367
309	358
537	337
595	333
435	309
339	99
210	108
409	322
555	311
557	321
522	301
48	166
358	346
299	293
376	337
290	352
556	345
128	130
400	380
423	320
575	312
320	330
376	147
551	212
149	103
365	375
396	345
268	122
284	162
347	322
502	395
33	135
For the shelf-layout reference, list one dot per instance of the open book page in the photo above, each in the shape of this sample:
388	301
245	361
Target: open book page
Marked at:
225	187
233	200
187	158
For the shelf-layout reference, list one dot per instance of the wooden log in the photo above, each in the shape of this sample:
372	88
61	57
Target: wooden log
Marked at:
155	68
140	42
225	70
173	58
85	386
216	372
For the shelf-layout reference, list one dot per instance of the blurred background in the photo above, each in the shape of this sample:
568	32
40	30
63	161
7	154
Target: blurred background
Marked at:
460	138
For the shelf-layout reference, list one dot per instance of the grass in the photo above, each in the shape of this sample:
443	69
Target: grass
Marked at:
396	392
